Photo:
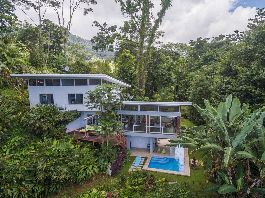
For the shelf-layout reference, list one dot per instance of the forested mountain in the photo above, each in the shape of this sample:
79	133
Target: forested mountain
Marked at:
74	39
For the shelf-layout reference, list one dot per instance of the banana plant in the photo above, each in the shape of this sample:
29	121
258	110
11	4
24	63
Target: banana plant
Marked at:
232	134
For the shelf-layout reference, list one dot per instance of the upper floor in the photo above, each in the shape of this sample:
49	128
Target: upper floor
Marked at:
67	91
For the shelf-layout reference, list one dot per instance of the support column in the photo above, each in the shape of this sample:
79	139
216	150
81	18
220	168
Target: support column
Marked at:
177	125
151	142
128	143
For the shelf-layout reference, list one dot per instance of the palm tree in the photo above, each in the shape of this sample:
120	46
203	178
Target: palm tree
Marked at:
234	141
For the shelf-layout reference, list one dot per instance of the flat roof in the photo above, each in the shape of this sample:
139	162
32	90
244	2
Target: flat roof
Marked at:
102	76
157	103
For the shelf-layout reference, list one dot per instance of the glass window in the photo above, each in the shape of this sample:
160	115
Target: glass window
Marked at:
80	82
169	109
46	99
68	82
149	108
105	82
130	107
75	98
32	82
169	125
52	82
95	81
40	82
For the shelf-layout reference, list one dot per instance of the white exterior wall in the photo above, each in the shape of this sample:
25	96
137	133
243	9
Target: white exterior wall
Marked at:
139	142
60	95
79	122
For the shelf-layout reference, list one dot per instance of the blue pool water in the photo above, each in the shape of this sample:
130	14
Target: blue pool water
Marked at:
164	163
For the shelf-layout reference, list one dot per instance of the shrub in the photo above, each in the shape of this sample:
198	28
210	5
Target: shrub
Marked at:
140	184
48	121
37	168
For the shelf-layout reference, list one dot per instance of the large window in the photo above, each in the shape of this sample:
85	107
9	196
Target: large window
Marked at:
80	82
36	82
169	108
149	108
95	81
129	108
52	82
75	98
68	82
46	99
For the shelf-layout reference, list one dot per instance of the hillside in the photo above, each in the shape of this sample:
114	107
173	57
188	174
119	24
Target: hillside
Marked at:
88	46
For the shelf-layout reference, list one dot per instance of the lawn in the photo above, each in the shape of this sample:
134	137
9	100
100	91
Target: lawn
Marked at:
197	182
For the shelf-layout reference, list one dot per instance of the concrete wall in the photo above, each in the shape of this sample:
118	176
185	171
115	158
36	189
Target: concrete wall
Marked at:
139	142
78	123
60	95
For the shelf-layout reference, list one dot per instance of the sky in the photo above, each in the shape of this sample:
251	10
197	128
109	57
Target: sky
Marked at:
186	20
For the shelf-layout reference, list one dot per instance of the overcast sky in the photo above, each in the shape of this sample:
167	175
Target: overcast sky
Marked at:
185	20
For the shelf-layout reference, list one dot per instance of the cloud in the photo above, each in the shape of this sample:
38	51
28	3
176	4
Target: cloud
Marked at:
184	21
190	19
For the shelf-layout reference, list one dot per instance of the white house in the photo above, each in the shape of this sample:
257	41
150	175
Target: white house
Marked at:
66	91
144	122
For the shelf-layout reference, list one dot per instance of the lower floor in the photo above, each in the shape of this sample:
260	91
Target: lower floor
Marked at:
149	142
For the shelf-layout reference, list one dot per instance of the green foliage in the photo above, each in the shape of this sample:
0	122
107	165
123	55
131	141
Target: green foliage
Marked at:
141	28
228	140
105	155
37	168
48	121
7	16
139	184
108	98
13	107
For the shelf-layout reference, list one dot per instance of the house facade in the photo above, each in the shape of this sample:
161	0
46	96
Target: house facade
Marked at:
144	122
66	91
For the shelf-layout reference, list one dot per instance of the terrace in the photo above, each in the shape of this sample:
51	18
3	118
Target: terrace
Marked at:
151	118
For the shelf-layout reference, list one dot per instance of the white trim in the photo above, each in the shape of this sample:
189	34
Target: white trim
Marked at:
101	76
157	103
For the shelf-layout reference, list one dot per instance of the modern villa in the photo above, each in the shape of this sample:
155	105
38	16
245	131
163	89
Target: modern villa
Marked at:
144	122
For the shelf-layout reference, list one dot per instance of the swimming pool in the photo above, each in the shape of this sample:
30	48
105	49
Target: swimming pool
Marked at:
165	163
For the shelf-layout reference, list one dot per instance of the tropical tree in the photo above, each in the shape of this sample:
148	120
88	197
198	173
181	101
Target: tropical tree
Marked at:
140	28
7	16
107	98
233	140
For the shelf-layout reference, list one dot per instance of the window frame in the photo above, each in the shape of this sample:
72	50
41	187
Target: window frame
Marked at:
47	98
52	80
91	79
67	79
84	79
75	99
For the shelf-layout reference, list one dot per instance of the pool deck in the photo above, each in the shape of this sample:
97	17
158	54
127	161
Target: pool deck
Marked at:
144	153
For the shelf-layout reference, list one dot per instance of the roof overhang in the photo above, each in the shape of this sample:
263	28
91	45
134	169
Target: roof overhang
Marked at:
102	76
157	103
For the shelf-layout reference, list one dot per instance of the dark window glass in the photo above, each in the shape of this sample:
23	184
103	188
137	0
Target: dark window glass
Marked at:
149	108
105	82
67	82
169	109
32	82
79	98
52	82
94	81
75	98
130	107
40	82
79	82
46	99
